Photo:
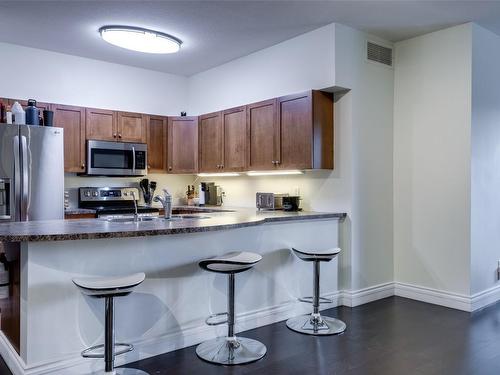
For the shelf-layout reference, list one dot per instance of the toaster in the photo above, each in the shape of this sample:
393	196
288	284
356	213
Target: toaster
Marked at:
269	201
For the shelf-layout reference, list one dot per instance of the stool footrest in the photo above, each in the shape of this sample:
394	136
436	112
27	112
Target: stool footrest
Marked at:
310	300
212	320
88	353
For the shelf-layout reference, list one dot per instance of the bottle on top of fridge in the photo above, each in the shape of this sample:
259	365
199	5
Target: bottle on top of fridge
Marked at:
19	116
32	113
8	115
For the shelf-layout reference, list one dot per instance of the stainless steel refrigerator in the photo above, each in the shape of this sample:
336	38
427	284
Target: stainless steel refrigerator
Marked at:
31	173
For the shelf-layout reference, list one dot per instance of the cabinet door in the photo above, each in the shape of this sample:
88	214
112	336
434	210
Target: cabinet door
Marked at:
72	120
295	121
261	135
157	144
211	142
182	144
234	125
100	124
131	127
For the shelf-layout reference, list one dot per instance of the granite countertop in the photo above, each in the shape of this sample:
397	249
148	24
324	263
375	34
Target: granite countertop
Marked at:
62	230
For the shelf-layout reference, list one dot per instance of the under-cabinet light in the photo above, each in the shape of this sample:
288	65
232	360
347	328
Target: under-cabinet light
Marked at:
274	173
221	174
139	39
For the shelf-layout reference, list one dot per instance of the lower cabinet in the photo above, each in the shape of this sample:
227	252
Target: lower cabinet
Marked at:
72	120
182	145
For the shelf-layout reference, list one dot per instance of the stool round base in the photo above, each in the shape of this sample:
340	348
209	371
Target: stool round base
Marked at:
320	326
125	371
224	351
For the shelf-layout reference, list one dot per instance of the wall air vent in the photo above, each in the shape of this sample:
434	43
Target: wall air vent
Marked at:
377	53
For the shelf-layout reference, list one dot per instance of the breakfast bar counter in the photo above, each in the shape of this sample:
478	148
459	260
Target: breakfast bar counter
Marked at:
62	230
47	322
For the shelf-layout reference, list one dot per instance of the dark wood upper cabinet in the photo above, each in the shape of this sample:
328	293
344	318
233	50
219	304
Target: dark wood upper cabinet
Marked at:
305	123
156	130
234	126
261	135
100	124
131	127
72	120
211	156
182	145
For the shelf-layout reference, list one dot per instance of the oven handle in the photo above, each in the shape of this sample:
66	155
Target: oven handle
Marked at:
133	160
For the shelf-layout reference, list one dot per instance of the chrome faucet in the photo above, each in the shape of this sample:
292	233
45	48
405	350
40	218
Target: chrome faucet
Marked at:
166	202
136	214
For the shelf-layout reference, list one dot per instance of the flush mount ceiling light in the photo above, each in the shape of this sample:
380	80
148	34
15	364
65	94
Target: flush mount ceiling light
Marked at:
139	39
273	173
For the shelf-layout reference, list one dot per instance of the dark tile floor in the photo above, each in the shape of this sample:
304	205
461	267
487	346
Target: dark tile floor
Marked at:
393	336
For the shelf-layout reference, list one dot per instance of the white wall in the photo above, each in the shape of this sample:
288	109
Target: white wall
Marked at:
371	123
485	167
432	113
302	63
58	78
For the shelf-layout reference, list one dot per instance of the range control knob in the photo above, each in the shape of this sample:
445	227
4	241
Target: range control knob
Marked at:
95	193
125	193
87	193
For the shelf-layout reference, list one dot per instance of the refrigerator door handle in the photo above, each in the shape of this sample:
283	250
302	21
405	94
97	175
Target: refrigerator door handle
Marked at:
133	160
25	179
17	179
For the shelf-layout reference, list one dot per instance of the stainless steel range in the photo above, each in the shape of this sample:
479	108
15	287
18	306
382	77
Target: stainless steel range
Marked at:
114	202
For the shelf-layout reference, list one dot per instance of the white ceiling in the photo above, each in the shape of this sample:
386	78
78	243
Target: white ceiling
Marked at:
215	32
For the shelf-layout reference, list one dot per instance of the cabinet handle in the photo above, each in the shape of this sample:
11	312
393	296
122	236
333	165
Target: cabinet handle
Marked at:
114	135
83	165
169	168
119	136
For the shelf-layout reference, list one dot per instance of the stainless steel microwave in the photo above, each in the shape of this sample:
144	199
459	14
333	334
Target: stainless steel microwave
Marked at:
116	159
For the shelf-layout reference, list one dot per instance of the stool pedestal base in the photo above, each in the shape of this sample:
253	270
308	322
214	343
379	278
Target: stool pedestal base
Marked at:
224	351
122	371
316	325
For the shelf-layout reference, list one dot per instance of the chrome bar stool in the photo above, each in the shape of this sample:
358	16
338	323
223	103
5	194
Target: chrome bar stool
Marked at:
315	324
230	350
108	288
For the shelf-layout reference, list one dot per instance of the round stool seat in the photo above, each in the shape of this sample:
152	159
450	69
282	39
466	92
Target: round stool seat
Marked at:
233	262
111	285
317	255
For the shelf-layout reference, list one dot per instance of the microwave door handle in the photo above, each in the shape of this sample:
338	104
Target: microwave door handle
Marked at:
17	179
25	179
133	160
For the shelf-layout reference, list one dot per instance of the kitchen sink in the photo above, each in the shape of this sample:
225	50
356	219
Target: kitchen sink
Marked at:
125	220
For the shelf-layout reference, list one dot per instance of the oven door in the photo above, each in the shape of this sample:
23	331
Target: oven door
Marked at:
116	159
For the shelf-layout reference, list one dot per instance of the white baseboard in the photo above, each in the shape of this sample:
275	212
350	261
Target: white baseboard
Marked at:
485	298
434	296
196	332
353	298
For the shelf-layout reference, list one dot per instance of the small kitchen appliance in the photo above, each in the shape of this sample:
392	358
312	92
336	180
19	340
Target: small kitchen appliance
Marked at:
113	202
291	203
269	201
